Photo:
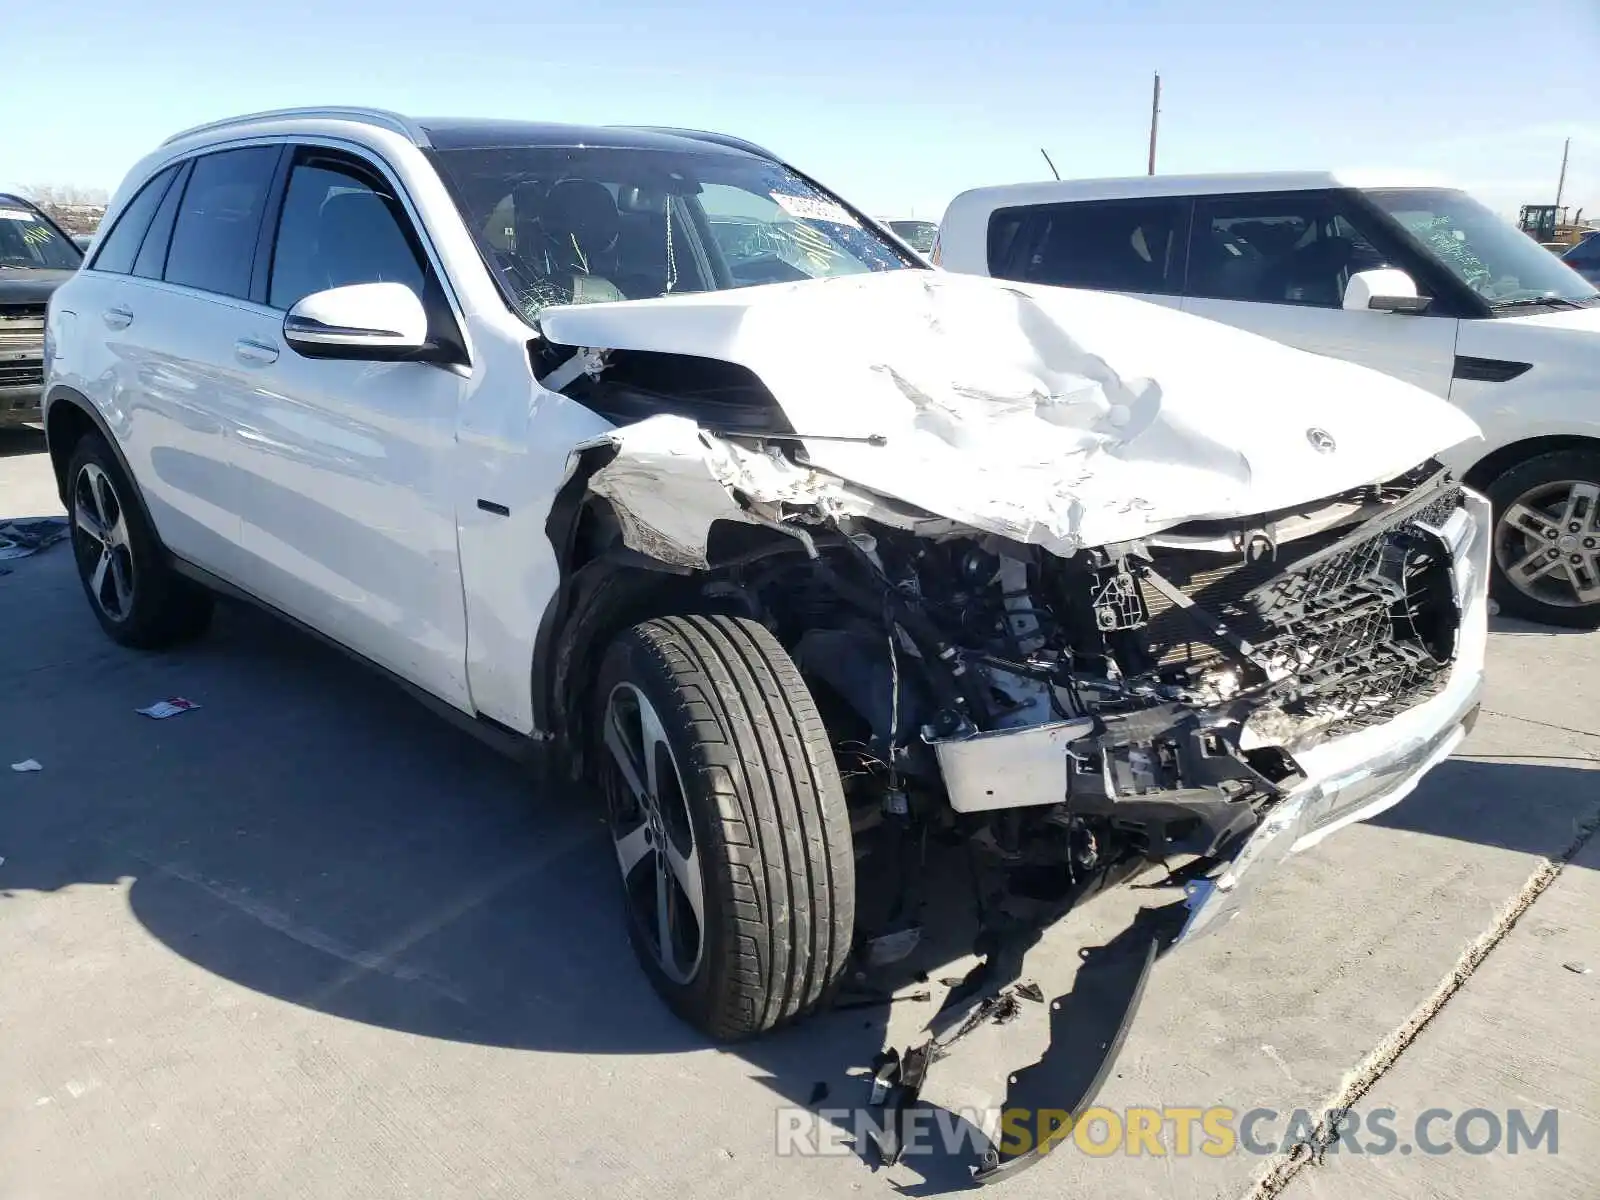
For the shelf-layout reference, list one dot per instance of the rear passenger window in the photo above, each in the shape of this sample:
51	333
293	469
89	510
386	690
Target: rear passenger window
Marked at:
118	248
214	241
1293	248
1106	245
336	229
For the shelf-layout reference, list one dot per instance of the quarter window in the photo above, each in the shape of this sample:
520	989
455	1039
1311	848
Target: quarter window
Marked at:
153	253
119	247
1293	248
1106	245
337	229
214	241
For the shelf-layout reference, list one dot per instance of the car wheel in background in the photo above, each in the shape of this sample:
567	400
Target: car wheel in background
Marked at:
1547	539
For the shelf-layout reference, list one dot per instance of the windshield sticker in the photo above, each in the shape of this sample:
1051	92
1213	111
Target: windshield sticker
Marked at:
16	214
810	208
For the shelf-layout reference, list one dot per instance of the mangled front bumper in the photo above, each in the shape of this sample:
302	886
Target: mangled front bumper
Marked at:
1358	776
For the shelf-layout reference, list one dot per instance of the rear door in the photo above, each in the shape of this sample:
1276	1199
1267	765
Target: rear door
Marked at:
1277	264
198	258
1136	246
154	293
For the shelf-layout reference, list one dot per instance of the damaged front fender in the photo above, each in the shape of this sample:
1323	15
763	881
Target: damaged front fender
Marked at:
669	481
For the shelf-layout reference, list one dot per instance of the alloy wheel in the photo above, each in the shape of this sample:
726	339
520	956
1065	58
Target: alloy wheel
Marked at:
1547	543
105	556
654	836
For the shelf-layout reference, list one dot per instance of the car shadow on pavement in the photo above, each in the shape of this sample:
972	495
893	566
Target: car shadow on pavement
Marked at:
24	439
313	835
1516	627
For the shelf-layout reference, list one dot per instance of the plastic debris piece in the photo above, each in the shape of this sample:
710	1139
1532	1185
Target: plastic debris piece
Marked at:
892	947
18	539
885	1070
1029	990
162	709
1577	968
27	764
1005	1008
819	1093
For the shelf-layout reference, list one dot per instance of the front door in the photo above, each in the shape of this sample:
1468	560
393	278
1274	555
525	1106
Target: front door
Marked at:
1277	264
348	520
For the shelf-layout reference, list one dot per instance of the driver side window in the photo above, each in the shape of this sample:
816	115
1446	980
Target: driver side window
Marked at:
338	228
1291	248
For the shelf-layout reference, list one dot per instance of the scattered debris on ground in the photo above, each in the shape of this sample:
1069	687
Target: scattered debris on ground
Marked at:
880	1000
162	709
18	539
892	947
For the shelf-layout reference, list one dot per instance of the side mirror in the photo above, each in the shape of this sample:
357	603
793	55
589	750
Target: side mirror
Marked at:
380	322
1384	290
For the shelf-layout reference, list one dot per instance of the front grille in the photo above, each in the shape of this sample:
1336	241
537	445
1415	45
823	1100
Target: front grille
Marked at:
22	374
1345	629
21	321
21	332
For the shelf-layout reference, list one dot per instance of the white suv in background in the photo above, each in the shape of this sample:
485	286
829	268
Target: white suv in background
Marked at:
1419	281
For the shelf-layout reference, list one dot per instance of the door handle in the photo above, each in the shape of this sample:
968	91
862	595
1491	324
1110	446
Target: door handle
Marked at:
254	353
117	318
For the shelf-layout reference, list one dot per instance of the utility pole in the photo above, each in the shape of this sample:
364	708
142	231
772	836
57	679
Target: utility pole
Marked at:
1561	184
1155	117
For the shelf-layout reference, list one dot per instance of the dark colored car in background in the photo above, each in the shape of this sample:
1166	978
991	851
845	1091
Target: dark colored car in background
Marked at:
1584	258
918	235
36	257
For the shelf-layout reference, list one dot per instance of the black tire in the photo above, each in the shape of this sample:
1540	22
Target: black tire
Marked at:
1545	473
767	812
161	607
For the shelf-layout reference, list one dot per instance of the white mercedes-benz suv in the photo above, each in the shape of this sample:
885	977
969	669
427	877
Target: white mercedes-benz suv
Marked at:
641	449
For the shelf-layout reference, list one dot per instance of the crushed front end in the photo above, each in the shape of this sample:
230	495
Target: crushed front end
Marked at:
1223	691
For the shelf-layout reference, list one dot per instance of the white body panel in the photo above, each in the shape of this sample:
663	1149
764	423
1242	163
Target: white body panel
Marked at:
1418	349
348	516
146	354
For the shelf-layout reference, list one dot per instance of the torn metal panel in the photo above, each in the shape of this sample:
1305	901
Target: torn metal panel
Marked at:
1043	415
670	481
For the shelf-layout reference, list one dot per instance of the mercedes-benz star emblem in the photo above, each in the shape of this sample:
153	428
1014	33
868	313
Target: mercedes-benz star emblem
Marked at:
1321	440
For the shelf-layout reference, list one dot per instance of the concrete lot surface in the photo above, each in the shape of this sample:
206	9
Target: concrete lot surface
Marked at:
309	940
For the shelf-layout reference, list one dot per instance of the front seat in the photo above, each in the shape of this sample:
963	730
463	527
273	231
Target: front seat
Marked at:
580	225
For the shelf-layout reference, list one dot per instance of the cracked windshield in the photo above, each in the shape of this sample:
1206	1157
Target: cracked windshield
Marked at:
1487	254
577	226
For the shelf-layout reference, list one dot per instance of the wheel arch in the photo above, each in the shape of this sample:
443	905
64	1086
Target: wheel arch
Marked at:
68	417
1491	466
606	587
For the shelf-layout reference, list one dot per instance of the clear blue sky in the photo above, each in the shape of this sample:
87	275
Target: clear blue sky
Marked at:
898	107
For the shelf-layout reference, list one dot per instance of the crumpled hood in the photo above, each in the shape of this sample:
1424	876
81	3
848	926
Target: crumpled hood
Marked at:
1053	416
